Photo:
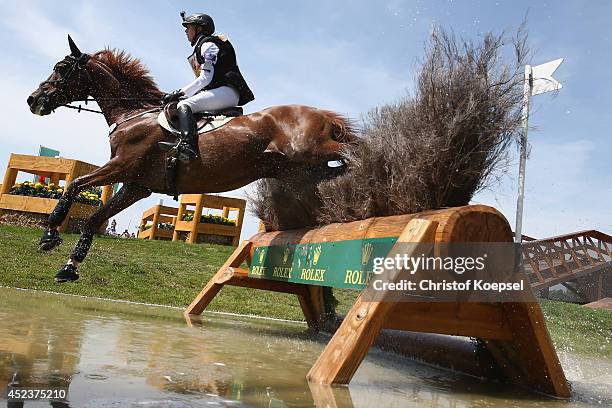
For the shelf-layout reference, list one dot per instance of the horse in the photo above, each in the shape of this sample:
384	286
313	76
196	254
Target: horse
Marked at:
272	143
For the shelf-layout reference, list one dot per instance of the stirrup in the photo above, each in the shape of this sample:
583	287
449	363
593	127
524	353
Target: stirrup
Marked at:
186	153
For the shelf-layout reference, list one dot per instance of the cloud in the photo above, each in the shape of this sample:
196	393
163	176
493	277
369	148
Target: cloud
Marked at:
28	22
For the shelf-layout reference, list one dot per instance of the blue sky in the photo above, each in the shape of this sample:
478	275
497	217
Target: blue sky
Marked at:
348	56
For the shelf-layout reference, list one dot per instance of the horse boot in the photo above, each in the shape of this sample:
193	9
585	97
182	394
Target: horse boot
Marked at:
187	149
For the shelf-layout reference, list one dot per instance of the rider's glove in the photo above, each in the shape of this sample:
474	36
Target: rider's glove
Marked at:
172	97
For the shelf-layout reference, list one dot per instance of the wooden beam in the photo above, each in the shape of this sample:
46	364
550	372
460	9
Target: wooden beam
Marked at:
213	287
348	347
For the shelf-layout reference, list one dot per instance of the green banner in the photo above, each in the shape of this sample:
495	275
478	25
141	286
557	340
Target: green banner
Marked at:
340	264
47	152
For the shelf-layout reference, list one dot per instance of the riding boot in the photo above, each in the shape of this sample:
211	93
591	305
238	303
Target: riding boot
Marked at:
187	146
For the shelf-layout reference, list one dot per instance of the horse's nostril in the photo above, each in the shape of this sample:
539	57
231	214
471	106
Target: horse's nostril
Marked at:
30	100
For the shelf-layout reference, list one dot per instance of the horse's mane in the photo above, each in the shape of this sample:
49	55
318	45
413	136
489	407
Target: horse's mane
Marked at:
135	77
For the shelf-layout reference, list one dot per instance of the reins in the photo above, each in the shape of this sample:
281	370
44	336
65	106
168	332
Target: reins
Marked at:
79	108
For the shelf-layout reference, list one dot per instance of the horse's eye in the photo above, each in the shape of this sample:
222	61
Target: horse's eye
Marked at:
60	67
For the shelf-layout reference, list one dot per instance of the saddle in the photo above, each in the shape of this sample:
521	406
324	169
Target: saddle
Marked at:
205	121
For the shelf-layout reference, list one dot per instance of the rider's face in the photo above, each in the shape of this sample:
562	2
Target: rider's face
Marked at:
191	31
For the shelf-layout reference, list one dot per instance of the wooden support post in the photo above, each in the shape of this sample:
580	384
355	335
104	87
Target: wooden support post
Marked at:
55	178
155	221
239	221
179	217
534	356
348	347
9	180
313	306
107	192
225	213
216	283
197	214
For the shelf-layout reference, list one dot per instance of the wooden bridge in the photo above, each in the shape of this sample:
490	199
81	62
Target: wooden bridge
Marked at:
582	262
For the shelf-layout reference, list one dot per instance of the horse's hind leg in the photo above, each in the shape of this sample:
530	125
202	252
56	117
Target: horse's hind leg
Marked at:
125	197
100	177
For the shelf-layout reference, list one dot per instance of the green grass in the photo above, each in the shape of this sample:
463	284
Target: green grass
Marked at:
579	329
160	272
172	273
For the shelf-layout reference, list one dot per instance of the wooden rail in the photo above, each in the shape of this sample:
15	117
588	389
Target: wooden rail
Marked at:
581	261
57	169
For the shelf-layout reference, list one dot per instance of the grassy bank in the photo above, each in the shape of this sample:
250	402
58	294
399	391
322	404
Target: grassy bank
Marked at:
172	273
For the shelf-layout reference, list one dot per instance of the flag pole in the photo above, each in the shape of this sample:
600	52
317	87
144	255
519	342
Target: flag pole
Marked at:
527	88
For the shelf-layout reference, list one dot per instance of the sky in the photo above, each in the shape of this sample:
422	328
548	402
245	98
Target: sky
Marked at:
346	56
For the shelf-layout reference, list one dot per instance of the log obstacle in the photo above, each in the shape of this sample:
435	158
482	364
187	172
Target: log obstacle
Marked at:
513	334
57	169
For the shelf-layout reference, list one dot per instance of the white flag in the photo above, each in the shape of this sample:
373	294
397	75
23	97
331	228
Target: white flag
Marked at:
542	77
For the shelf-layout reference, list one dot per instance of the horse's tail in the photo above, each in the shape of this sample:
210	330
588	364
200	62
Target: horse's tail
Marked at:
343	129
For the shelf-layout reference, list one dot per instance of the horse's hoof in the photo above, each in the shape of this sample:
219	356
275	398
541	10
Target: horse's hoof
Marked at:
68	273
50	239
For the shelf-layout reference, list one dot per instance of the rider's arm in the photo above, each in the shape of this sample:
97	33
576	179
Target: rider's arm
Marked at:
209	53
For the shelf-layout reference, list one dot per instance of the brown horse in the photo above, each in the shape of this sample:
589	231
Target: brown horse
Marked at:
272	143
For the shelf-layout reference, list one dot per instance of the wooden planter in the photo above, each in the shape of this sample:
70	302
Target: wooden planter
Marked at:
154	216
191	230
57	170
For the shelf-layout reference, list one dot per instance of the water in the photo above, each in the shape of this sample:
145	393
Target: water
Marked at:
122	355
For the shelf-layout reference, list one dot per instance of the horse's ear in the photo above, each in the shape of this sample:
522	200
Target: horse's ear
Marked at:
74	50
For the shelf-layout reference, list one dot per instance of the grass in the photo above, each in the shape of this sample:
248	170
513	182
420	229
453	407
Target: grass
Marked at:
160	272
172	273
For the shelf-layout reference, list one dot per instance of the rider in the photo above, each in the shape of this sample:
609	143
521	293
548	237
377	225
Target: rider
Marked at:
218	84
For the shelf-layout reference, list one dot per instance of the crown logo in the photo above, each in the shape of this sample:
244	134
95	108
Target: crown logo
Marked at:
316	254
286	255
262	254
366	253
304	250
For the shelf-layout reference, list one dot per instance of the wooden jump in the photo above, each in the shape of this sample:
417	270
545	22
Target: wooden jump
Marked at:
201	201
514	334
56	169
159	213
153	217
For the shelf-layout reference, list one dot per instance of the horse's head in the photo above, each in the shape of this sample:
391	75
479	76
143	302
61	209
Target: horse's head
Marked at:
68	82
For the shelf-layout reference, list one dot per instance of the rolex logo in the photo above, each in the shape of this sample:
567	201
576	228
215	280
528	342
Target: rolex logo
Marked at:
262	254
286	255
366	253
316	254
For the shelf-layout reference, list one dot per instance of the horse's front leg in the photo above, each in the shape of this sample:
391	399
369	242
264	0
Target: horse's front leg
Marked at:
101	176
125	197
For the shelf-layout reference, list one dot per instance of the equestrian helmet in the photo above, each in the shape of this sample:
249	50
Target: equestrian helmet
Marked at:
200	19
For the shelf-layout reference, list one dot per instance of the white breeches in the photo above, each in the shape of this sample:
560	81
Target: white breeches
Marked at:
212	100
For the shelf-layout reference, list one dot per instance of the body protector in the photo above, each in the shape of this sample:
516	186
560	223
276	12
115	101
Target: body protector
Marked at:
226	72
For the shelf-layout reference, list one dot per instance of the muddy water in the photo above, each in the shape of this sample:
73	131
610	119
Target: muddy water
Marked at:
115	355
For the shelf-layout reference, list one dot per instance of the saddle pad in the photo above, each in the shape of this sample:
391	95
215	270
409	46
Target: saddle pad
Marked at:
203	126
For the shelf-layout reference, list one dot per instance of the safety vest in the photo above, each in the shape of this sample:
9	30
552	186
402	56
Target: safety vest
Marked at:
226	72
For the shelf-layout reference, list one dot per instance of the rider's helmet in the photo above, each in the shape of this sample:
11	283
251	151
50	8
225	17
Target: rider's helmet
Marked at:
200	19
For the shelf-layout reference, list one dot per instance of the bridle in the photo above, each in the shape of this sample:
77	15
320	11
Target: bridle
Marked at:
61	84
